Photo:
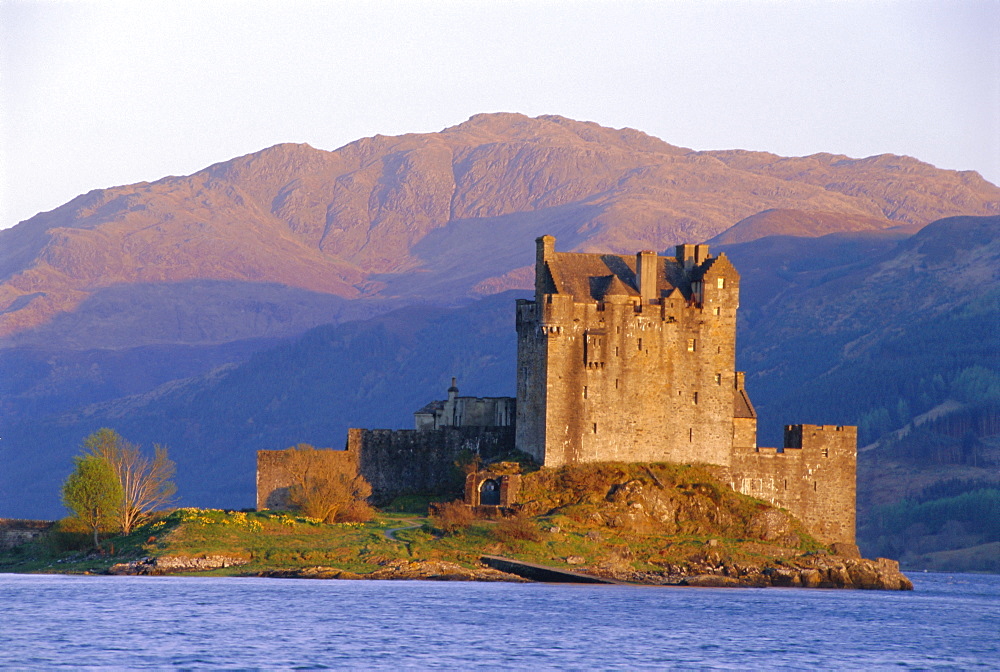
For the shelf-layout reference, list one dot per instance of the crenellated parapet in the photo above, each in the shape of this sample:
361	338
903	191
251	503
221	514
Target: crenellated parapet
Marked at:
813	476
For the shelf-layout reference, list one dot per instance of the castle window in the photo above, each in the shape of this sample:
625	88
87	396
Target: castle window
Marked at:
692	345
593	348
616	351
720	283
640	344
718	379
691	434
786	484
826	452
584	391
696	398
616	383
815	485
718	311
595	428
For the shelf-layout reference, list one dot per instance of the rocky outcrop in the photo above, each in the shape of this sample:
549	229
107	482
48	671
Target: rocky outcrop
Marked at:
824	572
174	564
811	571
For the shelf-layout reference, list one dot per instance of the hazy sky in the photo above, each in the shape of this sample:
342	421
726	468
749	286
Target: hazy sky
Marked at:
98	94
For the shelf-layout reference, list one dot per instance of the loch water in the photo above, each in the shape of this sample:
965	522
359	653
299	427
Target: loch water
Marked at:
950	621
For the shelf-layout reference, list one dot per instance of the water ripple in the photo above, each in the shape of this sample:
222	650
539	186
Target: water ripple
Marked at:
51	622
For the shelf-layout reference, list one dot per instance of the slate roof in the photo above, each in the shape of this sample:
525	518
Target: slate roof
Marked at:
591	277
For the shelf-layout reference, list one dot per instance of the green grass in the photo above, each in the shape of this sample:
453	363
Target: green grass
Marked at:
584	513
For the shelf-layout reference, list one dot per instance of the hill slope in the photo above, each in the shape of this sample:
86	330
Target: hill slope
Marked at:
408	216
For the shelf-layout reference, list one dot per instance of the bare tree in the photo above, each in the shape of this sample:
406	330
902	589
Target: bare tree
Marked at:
321	489
145	482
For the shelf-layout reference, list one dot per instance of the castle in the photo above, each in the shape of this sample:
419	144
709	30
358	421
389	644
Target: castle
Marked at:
619	358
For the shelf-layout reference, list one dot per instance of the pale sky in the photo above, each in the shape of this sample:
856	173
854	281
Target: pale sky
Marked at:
96	94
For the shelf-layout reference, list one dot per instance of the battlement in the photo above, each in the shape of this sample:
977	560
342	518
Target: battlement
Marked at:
818	436
812	475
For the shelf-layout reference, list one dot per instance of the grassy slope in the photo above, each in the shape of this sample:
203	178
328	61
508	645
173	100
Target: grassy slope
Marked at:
608	517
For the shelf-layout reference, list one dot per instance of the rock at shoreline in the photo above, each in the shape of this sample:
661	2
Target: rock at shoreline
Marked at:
806	572
173	564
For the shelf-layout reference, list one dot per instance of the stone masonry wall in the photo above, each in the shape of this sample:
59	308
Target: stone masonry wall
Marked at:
14	532
395	462
813	477
402	462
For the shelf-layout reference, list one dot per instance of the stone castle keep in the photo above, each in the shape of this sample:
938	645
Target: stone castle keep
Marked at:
619	358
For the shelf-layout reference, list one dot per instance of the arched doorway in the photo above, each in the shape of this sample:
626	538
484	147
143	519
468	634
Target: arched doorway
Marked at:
489	493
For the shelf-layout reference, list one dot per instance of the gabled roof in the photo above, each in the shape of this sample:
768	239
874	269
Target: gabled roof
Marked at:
592	277
742	408
430	408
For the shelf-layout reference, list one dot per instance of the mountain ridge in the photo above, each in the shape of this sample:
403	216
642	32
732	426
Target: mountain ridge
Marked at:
358	221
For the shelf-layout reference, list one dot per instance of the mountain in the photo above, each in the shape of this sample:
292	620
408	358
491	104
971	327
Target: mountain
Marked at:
783	222
407	217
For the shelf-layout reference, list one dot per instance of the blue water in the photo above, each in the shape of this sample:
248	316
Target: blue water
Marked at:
948	622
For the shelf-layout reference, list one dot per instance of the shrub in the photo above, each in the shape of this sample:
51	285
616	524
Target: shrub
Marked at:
322	489
452	517
517	528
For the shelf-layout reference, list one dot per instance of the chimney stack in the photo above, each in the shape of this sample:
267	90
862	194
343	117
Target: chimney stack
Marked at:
646	275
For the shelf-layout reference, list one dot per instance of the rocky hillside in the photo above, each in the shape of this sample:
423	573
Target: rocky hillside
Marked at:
410	216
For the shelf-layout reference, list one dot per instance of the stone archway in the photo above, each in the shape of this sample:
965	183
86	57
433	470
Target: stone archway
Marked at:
489	492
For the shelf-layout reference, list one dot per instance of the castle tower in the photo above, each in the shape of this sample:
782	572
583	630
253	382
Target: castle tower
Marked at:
630	358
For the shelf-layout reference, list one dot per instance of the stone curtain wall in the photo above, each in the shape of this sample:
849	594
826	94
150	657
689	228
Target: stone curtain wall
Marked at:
16	532
395	462
813	477
405	462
